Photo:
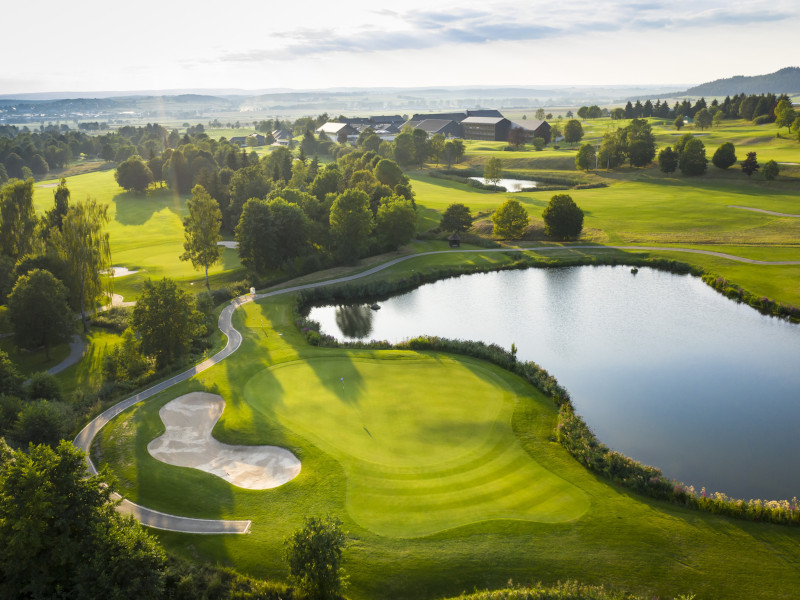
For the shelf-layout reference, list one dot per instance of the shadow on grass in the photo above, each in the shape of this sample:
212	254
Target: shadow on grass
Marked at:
137	209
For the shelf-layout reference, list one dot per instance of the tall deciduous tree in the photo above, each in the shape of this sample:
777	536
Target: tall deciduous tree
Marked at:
456	217
703	119
510	220
63	538
573	131
133	175
201	230
585	158
771	170
692	160
84	245
667	160
17	217
493	170
563	219
55	216
395	223
314	554
39	311
351	223
166	321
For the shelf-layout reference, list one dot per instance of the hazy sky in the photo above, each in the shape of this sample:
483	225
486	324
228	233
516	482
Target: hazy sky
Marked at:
93	45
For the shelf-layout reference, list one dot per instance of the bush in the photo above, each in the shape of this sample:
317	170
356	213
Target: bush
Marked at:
43	386
114	319
42	422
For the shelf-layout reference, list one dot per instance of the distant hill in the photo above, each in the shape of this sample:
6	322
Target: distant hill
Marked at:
784	81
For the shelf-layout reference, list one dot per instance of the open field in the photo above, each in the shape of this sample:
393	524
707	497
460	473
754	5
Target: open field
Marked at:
281	391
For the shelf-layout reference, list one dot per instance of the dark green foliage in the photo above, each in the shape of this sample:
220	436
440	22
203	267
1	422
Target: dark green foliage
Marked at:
586	159
456	217
62	537
573	131
771	170
125	362
133	175
314	554
17	217
351	223
186	580
42	422
668	160
166	322
250	182
539	143
47	262
692	160
271	233
114	319
510	220
568	590
55	215
640	143
39	311
10	377
750	164
725	156
43	386
563	219
395	223
389	173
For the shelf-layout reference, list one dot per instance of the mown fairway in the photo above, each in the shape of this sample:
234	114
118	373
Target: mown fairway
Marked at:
146	233
430	537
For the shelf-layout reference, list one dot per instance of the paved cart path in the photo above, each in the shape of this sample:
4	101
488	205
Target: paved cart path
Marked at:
159	520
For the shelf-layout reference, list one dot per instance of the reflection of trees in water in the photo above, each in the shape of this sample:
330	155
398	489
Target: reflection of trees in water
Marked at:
354	321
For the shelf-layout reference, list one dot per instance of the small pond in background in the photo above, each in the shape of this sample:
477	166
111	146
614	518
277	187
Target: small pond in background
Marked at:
662	368
511	185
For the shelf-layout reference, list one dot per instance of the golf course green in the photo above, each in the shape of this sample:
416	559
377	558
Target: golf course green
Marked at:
418	459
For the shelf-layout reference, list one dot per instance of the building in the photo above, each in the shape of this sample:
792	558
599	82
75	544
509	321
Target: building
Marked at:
445	127
486	128
533	128
336	131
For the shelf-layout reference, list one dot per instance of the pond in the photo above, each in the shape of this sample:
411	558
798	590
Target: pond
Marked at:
511	185
662	368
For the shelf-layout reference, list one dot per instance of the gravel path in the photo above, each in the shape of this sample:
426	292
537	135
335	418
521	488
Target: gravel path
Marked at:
159	520
76	349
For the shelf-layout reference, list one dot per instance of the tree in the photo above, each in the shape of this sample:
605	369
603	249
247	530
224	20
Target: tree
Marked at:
84	245
771	170
678	123
39	311
640	143
10	378
133	175
516	137
692	160
612	149
725	156
539	114
17	217
201	230
493	170
563	219
573	131
510	220
784	114
63	538
703	119
667	160
351	223
539	143
166	321
404	149
395	223
314	554
389	173
456	217
585	158
750	164
55	216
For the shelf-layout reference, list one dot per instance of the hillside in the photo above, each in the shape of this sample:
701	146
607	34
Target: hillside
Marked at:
785	80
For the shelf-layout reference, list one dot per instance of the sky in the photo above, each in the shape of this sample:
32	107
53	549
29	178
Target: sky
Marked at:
94	45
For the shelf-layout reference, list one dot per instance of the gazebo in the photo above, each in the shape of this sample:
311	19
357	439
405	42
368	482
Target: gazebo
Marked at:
455	240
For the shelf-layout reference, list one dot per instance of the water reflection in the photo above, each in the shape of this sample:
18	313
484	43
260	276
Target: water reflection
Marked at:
354	321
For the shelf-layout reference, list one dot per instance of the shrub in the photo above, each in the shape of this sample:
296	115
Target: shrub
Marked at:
510	220
43	386
725	156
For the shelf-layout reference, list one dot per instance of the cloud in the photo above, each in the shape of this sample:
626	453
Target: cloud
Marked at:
391	30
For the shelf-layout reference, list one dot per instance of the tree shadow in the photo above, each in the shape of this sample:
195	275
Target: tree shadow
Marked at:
137	209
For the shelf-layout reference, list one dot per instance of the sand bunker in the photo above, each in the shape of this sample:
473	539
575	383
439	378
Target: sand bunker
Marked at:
228	244
188	443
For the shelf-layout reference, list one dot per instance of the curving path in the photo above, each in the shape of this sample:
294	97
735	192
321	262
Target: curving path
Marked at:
766	212
159	520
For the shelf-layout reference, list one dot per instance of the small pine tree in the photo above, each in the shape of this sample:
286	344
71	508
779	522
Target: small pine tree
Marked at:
750	164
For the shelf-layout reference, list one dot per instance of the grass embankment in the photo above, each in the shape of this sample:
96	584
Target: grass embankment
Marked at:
490	519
